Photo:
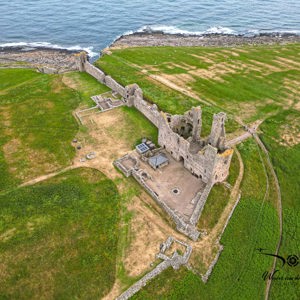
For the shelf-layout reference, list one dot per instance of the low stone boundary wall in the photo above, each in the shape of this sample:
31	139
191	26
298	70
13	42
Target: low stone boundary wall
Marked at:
210	268
200	204
143	281
175	261
231	213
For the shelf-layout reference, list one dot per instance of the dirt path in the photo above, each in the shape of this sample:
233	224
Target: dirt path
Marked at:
170	84
234	198
47	176
208	243
236	188
279	203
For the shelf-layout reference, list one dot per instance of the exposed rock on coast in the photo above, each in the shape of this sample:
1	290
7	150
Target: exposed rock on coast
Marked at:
45	59
213	40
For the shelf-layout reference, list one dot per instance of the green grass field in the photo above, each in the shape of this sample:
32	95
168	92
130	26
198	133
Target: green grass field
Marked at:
286	162
58	239
86	86
216	202
248	81
138	127
252	82
35	109
37	125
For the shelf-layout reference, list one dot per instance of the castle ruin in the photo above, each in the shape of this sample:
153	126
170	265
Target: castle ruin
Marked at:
206	158
206	161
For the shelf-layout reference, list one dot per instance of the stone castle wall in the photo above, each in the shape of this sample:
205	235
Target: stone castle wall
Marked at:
115	86
95	72
134	97
105	79
206	164
149	111
200	204
210	161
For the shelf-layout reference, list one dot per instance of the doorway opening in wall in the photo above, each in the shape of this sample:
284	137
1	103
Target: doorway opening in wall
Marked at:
181	159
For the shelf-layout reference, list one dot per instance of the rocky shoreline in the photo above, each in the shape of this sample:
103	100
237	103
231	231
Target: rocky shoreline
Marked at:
47	60
50	60
142	39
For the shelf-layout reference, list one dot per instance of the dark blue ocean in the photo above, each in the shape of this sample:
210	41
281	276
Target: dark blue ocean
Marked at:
92	25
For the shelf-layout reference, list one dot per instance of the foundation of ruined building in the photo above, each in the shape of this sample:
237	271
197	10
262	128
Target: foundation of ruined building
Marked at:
175	260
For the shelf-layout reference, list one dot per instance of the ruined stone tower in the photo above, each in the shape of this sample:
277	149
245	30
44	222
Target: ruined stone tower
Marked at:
81	61
197	123
217	134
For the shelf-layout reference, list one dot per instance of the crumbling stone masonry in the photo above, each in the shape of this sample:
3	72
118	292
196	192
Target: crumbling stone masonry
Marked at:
84	65
207	158
175	261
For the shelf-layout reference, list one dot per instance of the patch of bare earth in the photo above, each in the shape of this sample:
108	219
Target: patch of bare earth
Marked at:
148	230
240	50
297	105
290	133
70	82
114	292
231	53
165	79
288	63
57	86
5	120
291	94
104	137
204	58
17	156
183	66
7	234
206	248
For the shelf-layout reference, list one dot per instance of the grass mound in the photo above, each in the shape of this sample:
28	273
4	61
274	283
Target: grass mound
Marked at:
58	239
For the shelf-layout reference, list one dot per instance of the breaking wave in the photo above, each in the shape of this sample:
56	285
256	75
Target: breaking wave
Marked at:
176	30
212	30
36	45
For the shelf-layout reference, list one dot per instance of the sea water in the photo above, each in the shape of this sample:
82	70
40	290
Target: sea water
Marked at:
93	25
